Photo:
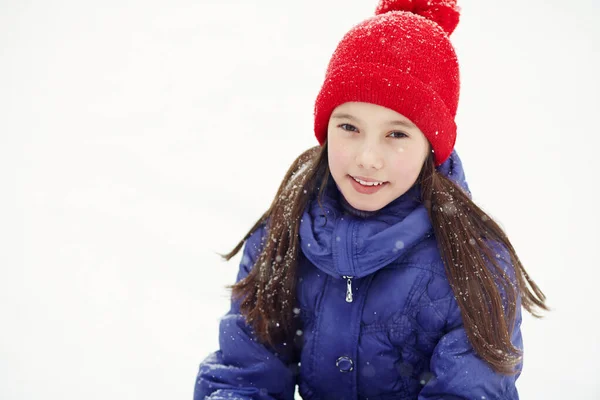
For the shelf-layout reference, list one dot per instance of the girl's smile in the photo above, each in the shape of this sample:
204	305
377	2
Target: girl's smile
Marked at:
366	185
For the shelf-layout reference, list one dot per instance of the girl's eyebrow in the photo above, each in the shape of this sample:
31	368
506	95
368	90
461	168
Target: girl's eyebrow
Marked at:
406	124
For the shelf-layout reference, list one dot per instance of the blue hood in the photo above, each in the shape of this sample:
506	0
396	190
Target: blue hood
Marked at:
342	244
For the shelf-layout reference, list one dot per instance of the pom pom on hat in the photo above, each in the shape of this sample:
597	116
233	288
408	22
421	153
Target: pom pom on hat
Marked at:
443	12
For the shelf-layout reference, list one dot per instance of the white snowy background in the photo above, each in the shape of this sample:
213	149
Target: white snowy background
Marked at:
139	138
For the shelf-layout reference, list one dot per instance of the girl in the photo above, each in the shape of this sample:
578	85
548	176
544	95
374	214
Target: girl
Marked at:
373	275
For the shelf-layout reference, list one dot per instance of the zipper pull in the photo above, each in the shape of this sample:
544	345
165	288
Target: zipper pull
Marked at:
348	288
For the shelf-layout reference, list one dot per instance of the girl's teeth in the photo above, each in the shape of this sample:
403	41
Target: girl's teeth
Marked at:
367	183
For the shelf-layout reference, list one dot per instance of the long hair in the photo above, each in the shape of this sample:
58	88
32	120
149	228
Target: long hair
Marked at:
464	233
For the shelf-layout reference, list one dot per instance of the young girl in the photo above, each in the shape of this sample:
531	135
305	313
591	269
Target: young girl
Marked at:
373	275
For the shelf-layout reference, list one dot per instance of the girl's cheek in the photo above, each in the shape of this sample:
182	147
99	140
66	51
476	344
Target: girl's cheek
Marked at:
342	152
338	157
404	163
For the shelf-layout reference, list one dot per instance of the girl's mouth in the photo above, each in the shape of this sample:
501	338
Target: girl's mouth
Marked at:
364	186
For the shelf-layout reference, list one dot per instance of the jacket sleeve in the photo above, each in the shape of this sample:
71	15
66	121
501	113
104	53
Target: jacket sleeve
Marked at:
458	373
242	368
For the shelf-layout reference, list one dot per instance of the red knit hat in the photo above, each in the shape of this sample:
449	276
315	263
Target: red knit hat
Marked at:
401	59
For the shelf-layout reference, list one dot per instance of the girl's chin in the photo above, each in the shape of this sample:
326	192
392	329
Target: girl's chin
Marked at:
362	204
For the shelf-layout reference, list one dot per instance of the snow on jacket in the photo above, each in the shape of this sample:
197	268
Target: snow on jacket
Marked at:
379	319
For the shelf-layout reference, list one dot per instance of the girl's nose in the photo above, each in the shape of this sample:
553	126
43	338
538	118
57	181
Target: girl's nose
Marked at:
369	158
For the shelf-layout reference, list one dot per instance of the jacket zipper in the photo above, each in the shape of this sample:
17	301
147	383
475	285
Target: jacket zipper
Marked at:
348	288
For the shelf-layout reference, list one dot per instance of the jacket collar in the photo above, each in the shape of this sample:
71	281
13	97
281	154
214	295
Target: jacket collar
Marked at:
342	241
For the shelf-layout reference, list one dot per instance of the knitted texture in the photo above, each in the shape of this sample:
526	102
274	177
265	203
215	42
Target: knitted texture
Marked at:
401	59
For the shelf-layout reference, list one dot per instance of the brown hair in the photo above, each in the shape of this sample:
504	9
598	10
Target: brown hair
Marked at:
464	234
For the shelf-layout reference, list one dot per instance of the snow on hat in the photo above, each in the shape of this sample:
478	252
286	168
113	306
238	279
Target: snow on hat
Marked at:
401	59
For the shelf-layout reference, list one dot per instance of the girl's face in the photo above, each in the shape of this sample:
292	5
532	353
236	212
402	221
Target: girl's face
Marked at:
375	154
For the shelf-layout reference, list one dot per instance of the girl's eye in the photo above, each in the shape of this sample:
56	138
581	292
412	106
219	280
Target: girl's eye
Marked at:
347	127
352	128
398	135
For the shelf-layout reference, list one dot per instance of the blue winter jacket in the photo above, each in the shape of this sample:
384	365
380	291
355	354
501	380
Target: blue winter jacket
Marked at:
378	317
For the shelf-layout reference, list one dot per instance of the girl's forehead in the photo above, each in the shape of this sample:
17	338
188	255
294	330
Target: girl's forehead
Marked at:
361	111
